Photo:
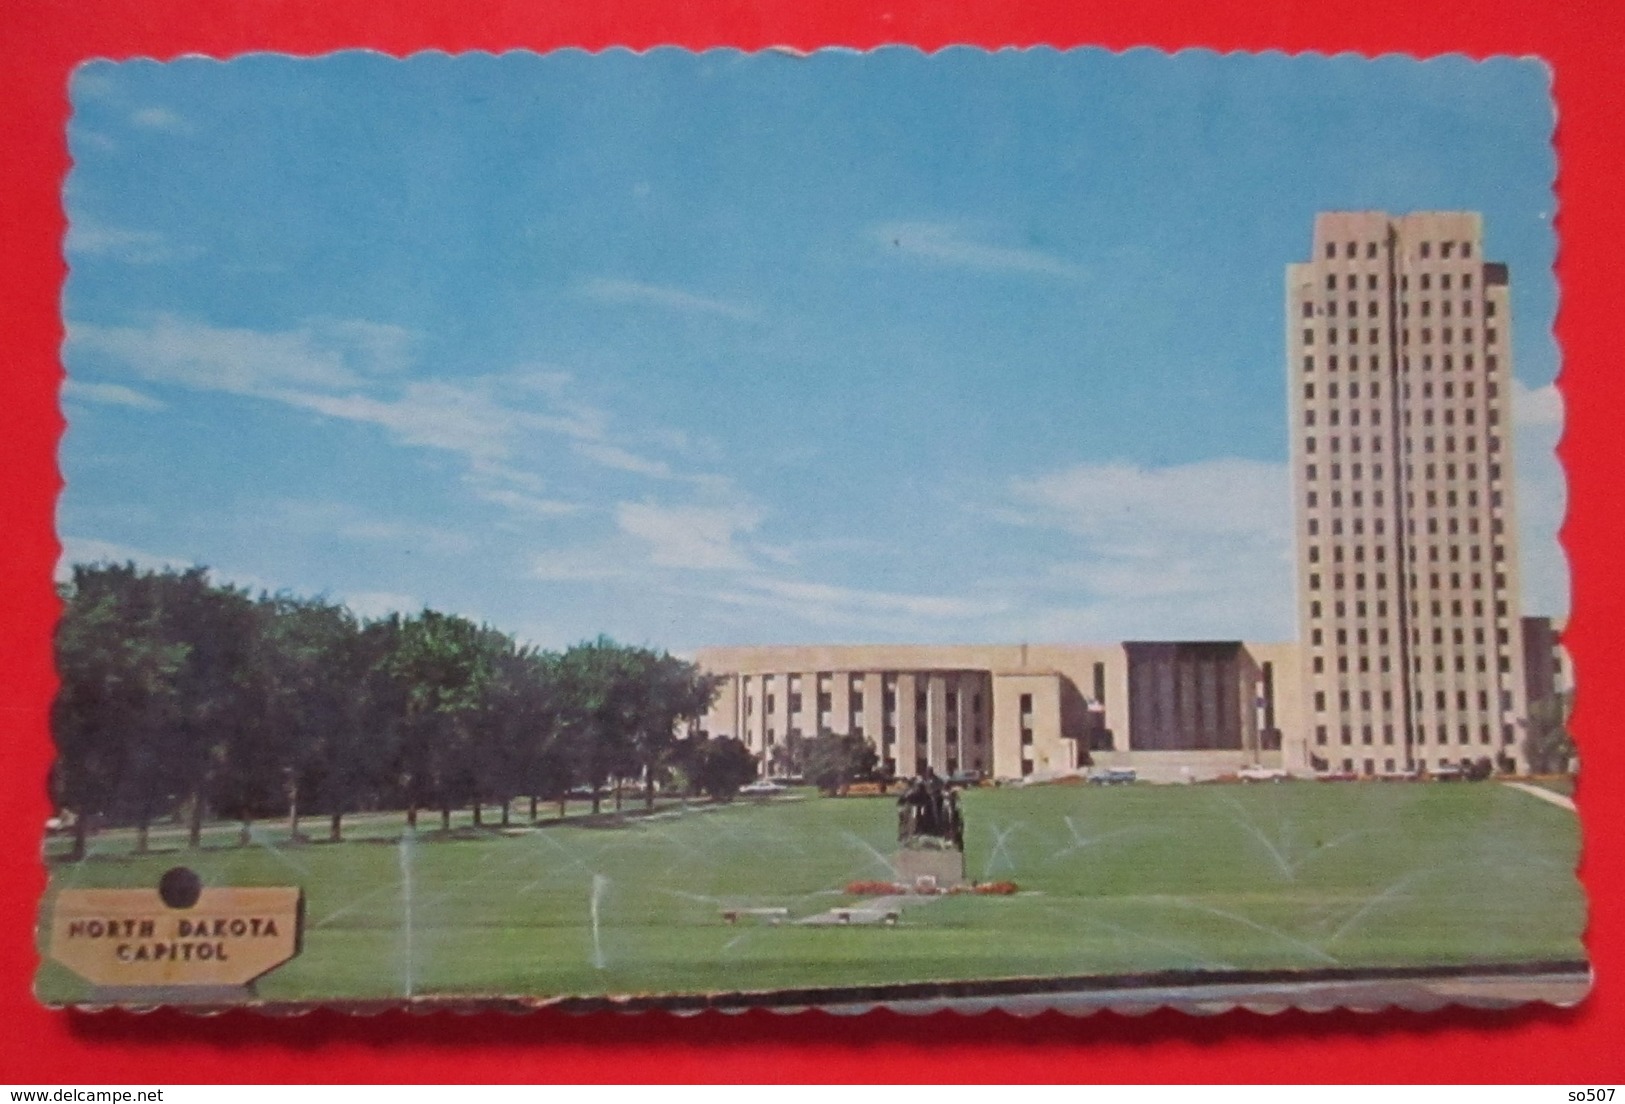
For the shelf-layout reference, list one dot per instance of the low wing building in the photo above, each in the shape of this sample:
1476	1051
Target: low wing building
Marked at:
1168	710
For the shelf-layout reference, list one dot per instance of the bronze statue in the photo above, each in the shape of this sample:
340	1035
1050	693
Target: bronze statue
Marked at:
928	814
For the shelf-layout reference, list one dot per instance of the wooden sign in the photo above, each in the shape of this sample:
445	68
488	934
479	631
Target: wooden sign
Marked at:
122	938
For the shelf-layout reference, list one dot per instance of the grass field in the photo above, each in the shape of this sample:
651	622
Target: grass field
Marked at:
1113	880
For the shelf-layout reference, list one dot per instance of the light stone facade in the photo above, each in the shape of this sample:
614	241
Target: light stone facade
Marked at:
1004	711
1400	387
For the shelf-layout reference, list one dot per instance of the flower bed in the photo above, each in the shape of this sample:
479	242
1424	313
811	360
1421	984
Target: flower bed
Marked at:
888	889
875	889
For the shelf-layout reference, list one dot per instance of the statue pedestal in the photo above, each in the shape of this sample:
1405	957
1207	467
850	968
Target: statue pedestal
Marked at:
929	869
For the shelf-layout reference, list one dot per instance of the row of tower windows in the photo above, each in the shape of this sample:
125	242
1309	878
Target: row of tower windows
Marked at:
1441	737
1334	416
1435	607
1379	553
1374	335
1469	416
1446	361
1441	700
1373	392
1429	471
1451	499
1356	499
1452	528
1363	664
1446	390
1351	282
1468	443
1479	664
1435	580
1458	636
1447	250
1373	309
1430	498
1440	697
1311	471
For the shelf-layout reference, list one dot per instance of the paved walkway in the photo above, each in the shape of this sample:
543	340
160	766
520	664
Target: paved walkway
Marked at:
1421	995
872	911
1544	794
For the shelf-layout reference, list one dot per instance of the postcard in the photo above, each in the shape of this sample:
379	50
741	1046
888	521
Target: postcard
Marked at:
1035	529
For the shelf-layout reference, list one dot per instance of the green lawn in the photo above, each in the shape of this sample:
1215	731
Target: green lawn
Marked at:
1114	880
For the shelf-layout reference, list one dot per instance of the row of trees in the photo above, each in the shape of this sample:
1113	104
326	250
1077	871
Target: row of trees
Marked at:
180	696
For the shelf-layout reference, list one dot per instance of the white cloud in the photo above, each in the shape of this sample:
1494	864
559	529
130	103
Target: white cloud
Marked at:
716	540
470	419
670	298
111	394
824	603
546	381
1118	503
93	80
427	538
343	368
1541	498
620	459
88	238
694	537
1536	406
234	359
486	472
1184	551
430	415
158	118
1204	549
375	605
574	565
945	243
521	503
95	139
90	550
351	370
381	348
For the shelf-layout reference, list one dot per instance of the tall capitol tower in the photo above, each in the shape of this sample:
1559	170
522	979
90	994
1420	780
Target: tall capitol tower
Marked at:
1400	382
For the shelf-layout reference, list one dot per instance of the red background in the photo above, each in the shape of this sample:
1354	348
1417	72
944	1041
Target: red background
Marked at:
43	39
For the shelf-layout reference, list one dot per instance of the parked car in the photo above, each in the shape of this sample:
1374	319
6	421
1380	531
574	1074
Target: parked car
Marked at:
1256	773
1464	771
1337	776
762	788
1116	776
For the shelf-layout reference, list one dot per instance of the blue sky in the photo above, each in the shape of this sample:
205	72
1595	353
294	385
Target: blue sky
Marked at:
726	348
